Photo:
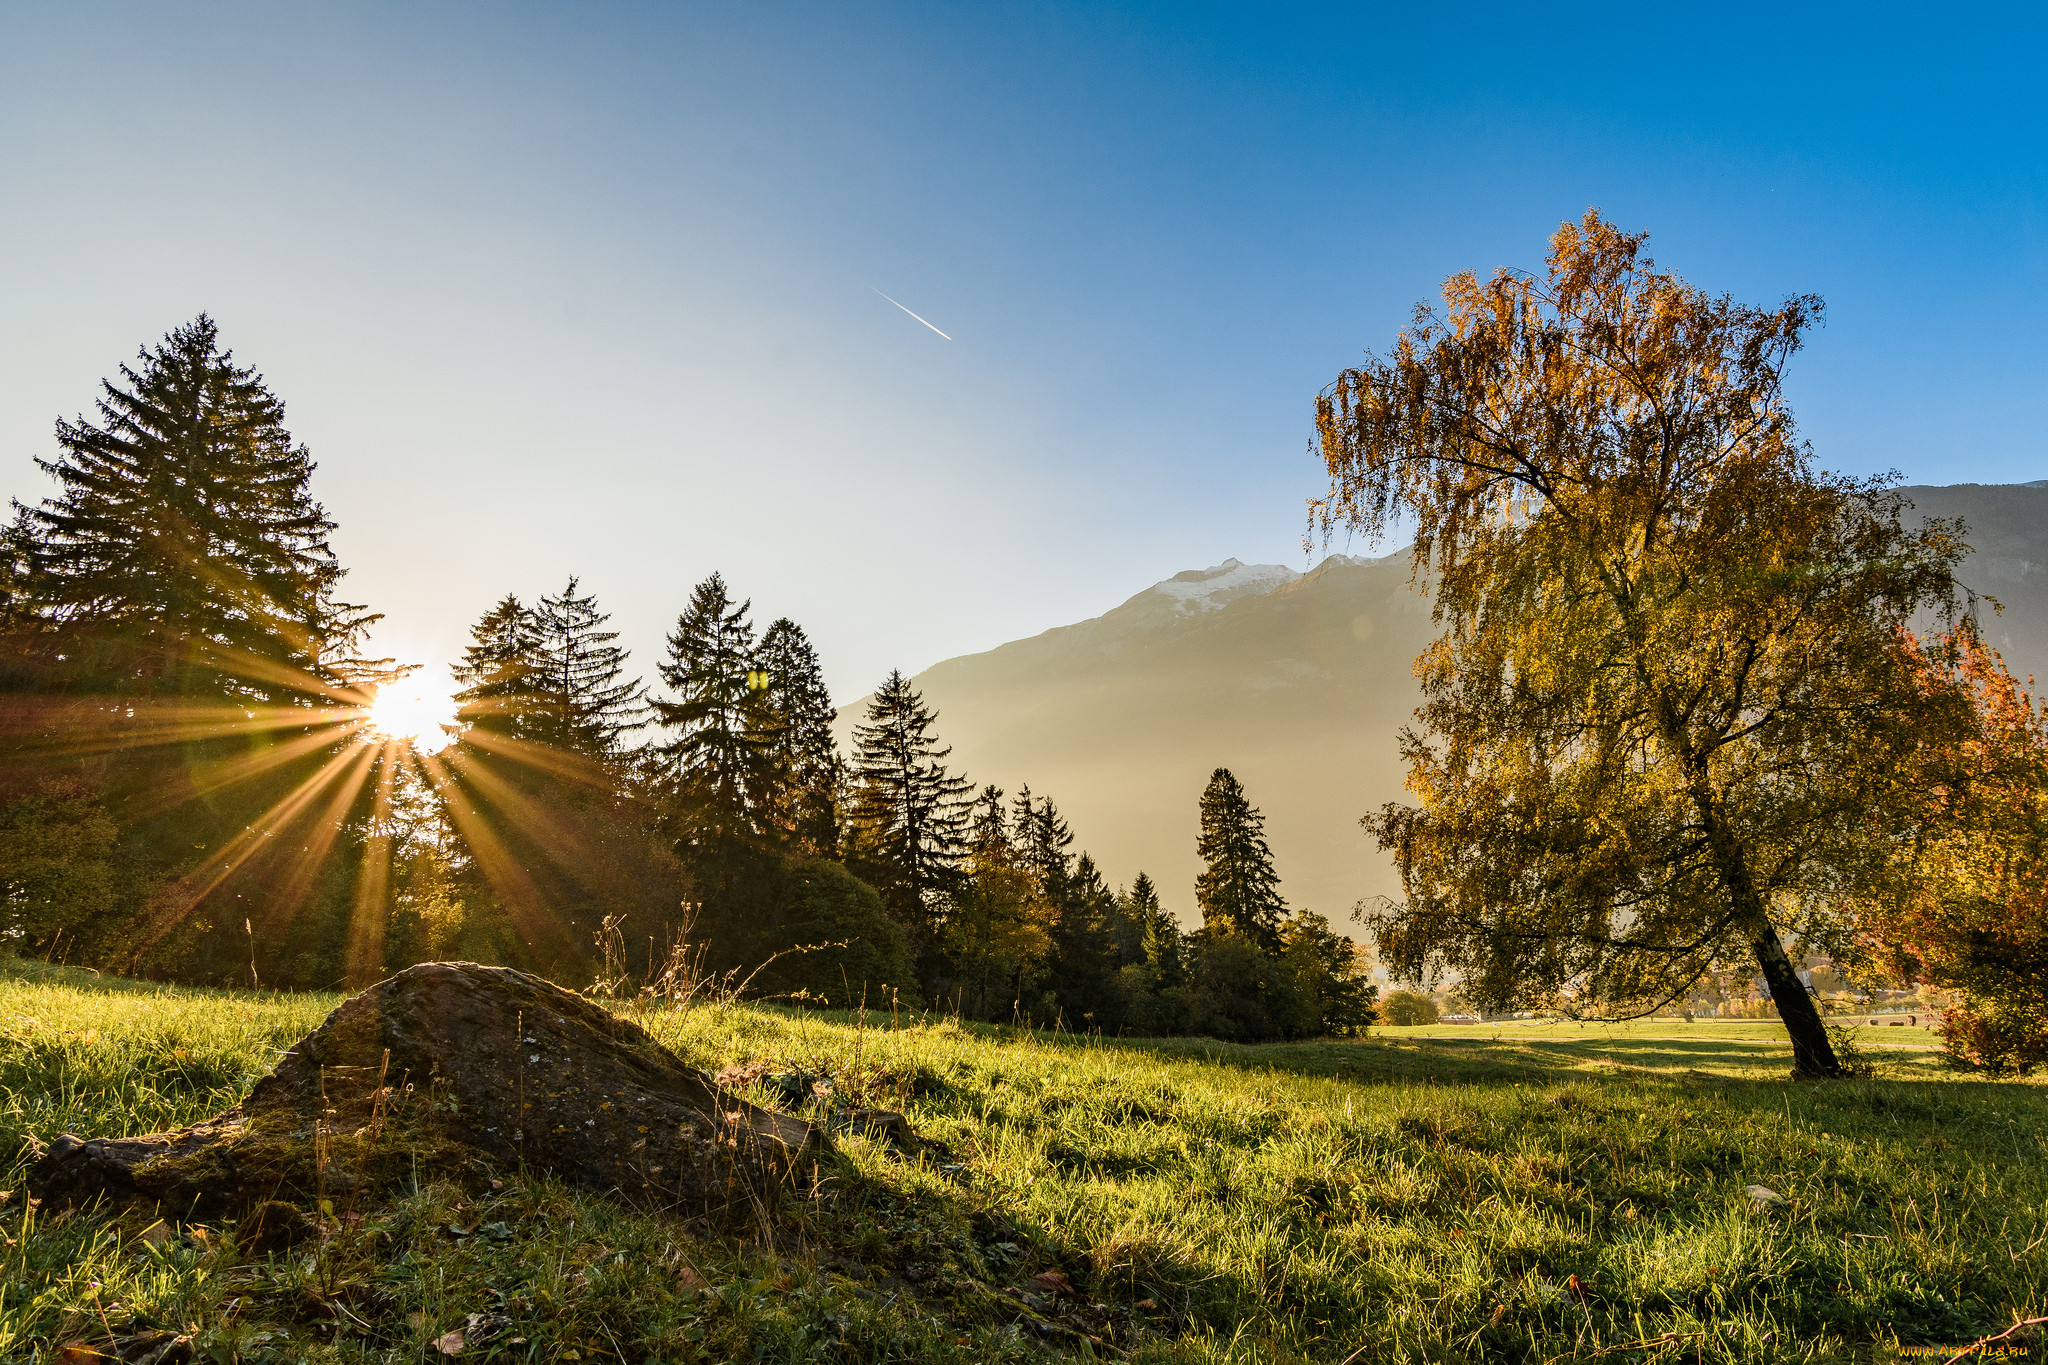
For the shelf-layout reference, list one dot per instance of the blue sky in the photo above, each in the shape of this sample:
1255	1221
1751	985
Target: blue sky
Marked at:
591	288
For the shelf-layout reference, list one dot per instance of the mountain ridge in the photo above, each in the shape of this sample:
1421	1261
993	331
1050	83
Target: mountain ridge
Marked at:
1299	682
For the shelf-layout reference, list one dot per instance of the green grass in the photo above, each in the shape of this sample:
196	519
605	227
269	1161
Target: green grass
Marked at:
1426	1194
1732	1047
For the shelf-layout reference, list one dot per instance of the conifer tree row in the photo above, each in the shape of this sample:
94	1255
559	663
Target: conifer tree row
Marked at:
576	825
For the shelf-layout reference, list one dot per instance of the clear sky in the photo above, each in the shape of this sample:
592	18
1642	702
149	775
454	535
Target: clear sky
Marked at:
592	288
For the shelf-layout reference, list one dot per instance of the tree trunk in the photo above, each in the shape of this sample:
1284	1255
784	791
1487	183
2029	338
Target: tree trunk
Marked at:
1812	1054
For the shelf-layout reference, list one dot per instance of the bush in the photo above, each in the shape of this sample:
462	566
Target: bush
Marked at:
2005	1035
1229	999
824	903
55	845
1405	1009
1315	987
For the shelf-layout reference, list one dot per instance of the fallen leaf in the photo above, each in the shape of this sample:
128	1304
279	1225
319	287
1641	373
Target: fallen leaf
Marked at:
156	1234
688	1278
1055	1282
450	1343
1763	1196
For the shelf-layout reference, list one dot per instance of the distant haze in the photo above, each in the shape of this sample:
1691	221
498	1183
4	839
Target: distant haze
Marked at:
1298	683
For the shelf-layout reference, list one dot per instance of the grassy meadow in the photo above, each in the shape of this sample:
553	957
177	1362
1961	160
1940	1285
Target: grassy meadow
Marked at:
1438	1194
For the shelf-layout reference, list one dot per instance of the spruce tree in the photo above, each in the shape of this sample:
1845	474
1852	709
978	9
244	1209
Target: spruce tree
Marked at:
909	810
1126	930
1084	953
1042	841
500	672
1238	891
807	770
182	561
988	834
720	760
1161	944
992	937
185	551
585	702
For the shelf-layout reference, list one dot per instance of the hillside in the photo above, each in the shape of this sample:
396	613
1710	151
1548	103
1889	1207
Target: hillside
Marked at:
1299	684
1587	1193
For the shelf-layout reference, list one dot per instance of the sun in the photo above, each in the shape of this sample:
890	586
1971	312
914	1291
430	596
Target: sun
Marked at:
414	711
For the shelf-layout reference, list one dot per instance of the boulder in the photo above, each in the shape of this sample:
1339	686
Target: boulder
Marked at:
455	1066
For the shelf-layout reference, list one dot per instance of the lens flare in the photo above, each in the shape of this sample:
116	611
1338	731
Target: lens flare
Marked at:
414	711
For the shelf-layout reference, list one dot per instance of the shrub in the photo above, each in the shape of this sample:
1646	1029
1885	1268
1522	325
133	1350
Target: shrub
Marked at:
823	903
1405	1009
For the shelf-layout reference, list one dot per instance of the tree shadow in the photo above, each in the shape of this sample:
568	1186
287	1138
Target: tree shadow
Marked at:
1502	1060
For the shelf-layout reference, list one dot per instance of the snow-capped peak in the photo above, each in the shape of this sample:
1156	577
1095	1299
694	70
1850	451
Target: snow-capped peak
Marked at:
1197	590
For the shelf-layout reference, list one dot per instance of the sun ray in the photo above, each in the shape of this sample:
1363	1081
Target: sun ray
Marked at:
542	757
369	912
557	839
241	663
175	904
518	894
205	778
304	865
119	725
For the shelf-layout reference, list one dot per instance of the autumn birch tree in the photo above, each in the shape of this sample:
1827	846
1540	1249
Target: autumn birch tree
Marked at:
1665	725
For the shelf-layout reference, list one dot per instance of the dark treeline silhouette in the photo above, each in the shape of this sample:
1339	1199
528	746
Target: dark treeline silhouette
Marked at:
192	788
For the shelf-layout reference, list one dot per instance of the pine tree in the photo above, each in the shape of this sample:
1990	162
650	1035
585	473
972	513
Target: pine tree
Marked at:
1042	840
1161	945
1238	891
185	544
988	839
586	703
1126	931
500	672
807	768
1084	954
993	935
909	811
721	761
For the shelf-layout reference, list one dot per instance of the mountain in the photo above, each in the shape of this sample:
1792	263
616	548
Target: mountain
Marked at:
1299	684
2007	526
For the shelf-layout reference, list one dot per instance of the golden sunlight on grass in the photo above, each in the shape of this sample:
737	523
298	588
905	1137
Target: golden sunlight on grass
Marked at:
415	711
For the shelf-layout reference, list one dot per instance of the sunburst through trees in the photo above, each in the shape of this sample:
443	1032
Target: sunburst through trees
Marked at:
205	778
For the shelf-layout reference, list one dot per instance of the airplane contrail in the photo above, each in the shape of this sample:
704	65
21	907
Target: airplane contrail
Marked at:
911	314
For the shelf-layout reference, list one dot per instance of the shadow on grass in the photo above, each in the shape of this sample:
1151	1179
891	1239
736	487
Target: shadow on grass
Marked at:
1536	1061
34	972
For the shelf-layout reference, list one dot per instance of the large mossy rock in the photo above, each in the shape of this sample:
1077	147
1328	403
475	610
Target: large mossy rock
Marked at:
455	1066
